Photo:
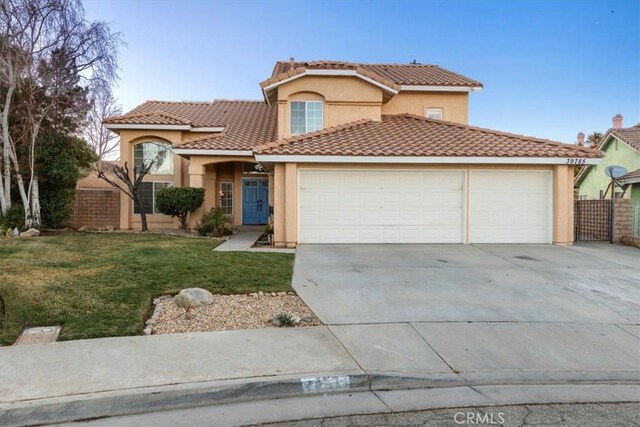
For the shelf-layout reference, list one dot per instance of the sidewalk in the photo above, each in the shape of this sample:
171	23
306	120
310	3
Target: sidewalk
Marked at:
64	381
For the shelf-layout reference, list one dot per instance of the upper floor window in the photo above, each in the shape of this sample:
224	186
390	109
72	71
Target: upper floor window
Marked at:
306	116
160	153
434	113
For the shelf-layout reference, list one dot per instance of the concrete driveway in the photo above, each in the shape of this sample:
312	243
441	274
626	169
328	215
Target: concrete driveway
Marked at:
359	284
486	314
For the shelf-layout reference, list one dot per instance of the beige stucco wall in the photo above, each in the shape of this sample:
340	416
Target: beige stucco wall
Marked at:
346	99
286	192
455	105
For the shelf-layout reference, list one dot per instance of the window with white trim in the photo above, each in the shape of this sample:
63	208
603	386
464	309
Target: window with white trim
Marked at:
147	192
226	197
306	116
160	153
434	113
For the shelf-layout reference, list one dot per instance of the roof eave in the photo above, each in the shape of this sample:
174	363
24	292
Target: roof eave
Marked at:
276	158
268	87
440	88
142	126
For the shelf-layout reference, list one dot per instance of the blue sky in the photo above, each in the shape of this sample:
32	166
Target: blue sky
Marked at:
550	68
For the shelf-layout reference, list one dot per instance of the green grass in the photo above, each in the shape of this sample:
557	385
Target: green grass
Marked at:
101	285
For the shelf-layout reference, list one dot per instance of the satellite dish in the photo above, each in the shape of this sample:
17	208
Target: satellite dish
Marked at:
615	172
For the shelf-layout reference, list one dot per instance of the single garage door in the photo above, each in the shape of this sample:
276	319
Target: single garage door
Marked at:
510	207
381	206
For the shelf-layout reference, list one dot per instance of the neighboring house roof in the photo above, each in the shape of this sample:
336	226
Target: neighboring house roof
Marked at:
630	178
411	135
246	123
630	136
393	75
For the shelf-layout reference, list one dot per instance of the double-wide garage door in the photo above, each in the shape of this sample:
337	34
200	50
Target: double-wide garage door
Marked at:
417	206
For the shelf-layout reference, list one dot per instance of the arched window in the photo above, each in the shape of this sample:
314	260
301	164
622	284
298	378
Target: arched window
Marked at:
160	153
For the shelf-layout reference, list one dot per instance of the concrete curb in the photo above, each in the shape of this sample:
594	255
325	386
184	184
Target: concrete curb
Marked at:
182	396
140	400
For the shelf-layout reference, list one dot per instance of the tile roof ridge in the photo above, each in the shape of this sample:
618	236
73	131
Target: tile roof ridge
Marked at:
497	132
310	135
159	101
240	101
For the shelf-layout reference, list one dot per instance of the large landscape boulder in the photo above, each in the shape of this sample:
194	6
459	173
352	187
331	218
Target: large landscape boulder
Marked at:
32	232
192	297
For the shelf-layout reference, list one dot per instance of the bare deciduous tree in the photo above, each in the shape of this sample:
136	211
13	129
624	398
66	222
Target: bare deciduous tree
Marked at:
104	142
131	184
40	40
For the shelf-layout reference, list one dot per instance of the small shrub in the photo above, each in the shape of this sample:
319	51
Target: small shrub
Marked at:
227	231
285	320
179	201
214	222
14	217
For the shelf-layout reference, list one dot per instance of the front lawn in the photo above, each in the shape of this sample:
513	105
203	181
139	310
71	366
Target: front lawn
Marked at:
100	285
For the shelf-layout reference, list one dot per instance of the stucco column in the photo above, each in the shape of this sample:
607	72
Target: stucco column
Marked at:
291	185
237	196
563	205
279	212
196	179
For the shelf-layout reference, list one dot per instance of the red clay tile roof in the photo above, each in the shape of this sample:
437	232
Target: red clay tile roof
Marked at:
392	75
246	123
410	135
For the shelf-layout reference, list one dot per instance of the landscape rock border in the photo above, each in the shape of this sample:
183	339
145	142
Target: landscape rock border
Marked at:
158	303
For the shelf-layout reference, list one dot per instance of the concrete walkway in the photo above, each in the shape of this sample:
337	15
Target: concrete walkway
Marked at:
244	241
240	242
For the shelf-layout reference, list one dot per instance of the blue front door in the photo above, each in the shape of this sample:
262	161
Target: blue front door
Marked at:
255	201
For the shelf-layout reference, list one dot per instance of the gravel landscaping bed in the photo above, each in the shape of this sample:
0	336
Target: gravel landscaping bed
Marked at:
229	312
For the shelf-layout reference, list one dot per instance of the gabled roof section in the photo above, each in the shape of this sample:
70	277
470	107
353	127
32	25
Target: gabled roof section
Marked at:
407	135
336	68
396	74
227	124
630	136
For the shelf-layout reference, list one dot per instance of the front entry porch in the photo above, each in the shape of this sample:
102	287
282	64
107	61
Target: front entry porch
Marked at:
233	184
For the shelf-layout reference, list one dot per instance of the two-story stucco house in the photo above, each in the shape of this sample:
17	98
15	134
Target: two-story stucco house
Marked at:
340	152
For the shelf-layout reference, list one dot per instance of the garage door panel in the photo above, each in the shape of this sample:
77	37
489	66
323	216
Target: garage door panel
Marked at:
510	207
381	206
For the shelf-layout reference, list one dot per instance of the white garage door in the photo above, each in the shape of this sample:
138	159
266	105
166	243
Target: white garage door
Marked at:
510	207
381	206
